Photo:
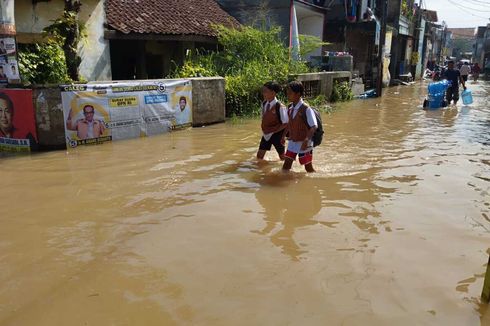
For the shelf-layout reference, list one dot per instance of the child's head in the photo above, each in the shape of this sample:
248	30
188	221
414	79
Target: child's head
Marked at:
270	90
295	91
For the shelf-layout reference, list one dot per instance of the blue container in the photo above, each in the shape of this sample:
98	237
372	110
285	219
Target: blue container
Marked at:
438	88
467	97
435	102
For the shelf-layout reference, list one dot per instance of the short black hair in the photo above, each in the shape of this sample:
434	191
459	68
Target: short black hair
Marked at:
183	98
10	104
450	61
297	87
273	86
88	106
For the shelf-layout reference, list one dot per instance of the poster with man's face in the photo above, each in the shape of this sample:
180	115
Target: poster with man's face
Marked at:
17	121
9	67
3	75
7	46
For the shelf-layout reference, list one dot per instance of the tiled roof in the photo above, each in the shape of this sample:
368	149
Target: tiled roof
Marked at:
177	17
463	32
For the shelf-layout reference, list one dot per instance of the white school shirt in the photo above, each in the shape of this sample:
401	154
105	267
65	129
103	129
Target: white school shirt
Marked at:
465	70
283	111
295	146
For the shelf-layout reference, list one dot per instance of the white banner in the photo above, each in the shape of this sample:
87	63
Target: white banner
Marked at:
96	113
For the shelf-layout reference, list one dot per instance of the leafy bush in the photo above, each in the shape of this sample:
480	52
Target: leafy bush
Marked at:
42	63
320	103
55	60
248	57
341	92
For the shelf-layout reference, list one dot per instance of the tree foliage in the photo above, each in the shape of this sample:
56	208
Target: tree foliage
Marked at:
247	58
68	31
55	60
43	63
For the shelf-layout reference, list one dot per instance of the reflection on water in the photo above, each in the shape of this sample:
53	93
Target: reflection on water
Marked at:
188	228
288	204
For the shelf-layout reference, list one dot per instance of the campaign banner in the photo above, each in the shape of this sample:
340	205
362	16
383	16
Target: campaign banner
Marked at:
97	113
17	121
9	68
7	18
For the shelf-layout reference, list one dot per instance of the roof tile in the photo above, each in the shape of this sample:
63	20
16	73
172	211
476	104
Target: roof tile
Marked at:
187	17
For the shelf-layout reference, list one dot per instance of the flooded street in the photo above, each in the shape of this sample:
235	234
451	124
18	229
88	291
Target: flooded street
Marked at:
188	229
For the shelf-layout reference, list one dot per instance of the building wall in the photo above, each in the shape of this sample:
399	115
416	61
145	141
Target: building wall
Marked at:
31	19
258	12
310	22
420	49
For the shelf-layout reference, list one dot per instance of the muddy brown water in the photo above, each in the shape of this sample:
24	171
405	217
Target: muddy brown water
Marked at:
188	229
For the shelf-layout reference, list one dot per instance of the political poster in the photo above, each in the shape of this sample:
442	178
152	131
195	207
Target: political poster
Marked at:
9	68
7	18
97	113
17	121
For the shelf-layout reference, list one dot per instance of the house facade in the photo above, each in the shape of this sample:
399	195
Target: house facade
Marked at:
129	39
31	17
310	16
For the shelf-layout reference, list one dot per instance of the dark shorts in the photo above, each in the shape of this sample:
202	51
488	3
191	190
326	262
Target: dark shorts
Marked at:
452	93
266	145
465	77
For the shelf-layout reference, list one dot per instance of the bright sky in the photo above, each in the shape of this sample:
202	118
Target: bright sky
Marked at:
457	13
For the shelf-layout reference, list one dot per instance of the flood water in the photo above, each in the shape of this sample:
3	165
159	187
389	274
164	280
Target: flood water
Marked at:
188	229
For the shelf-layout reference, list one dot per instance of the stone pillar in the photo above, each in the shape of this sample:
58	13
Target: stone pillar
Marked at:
208	101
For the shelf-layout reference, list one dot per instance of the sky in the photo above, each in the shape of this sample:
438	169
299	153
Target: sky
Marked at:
460	13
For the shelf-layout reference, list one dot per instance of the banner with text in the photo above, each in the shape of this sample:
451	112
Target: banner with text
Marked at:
9	68
96	113
17	121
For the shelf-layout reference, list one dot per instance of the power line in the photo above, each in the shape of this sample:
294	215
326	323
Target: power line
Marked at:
484	3
466	10
469	8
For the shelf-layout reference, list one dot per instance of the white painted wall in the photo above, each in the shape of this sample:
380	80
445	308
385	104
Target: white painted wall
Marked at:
310	22
94	49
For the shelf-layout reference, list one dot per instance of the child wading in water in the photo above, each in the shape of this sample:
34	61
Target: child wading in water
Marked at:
274	121
301	127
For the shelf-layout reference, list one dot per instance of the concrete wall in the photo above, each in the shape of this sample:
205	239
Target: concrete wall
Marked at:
49	117
31	19
326	79
208	98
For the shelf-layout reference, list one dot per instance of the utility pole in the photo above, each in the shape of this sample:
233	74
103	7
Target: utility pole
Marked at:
382	20
486	285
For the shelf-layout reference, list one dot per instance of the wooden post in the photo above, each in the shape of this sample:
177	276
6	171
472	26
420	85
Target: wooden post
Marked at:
485	295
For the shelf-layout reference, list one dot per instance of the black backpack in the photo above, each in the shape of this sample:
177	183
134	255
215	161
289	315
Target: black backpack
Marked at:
318	135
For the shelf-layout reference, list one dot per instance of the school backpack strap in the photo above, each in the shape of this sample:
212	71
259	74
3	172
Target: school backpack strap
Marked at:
305	116
278	111
318	135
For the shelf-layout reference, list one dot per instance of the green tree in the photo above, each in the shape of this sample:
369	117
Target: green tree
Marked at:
68	31
43	63
247	58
